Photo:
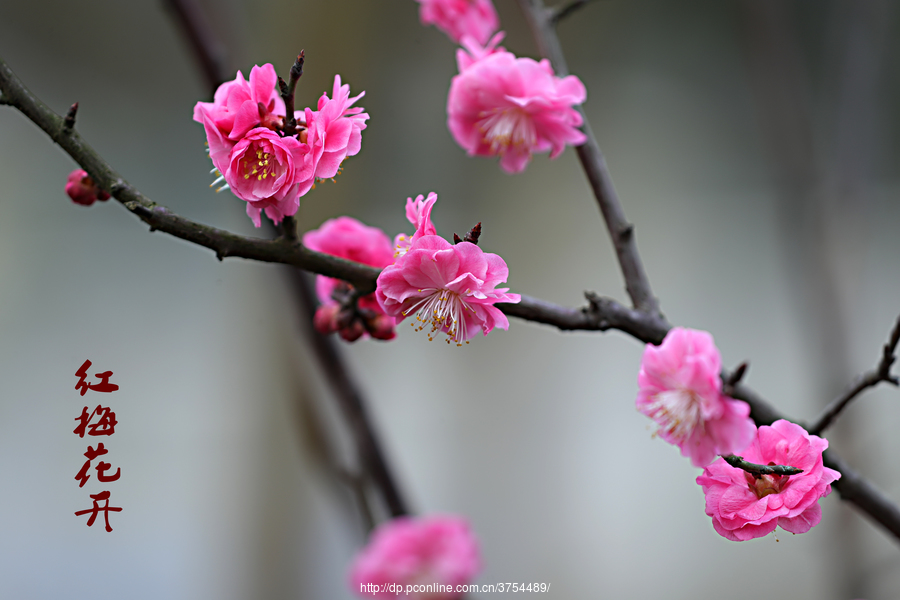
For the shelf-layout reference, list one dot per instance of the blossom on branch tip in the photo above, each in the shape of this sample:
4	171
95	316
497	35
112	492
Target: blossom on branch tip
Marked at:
449	288
422	551
680	389
82	189
744	507
459	18
501	105
346	237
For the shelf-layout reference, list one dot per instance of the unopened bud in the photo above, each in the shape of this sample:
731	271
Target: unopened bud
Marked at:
82	189
353	332
325	320
381	327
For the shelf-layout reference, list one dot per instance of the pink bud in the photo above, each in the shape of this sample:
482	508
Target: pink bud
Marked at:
325	319
82	189
352	332
381	327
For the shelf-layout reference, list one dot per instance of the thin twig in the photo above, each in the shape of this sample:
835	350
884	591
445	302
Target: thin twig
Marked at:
756	470
69	121
287	94
561	12
868	379
540	19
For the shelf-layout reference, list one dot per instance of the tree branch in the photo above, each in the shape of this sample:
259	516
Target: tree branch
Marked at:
868	379
600	315
621	232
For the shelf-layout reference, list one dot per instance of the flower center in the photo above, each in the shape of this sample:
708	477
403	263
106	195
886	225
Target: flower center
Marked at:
259	168
677	412
764	485
507	127
443	310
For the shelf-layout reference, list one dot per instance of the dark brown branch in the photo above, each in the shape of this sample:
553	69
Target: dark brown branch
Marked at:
869	379
756	470
287	94
4	101
561	12
204	45
288	229
541	21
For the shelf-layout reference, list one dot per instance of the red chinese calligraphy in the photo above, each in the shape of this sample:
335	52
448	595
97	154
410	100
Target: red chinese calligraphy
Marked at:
98	509
104	386
105	424
101	468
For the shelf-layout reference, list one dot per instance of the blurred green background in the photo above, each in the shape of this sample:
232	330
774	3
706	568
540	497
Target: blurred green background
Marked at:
755	147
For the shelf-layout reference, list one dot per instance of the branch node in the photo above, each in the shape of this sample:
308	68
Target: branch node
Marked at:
69	121
626	232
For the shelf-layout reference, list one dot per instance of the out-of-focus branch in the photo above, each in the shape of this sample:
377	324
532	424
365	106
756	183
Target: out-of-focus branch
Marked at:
621	232
561	12
351	402
868	379
204	43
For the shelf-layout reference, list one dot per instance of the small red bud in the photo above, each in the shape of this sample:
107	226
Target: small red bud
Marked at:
82	189
353	332
325	321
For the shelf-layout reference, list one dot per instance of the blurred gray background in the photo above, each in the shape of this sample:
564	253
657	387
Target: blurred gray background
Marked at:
755	147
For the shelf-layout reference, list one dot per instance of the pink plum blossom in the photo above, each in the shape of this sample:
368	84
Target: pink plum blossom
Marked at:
418	212
239	106
680	389
744	507
348	238
267	171
333	132
451	288
458	18
82	189
500	105
439	551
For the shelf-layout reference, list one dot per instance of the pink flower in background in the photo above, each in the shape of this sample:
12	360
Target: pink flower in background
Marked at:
680	389
82	189
458	18
426	551
267	171
743	507
334	132
348	238
451	288
239	106
500	105
418	212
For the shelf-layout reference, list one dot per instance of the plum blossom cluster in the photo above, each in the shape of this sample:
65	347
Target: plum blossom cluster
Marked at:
448	288
680	388
262	160
348	238
408	553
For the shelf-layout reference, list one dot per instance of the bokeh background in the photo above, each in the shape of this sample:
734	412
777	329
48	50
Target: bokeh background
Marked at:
755	147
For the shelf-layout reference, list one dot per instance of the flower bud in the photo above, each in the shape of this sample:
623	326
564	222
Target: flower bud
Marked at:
82	189
325	321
